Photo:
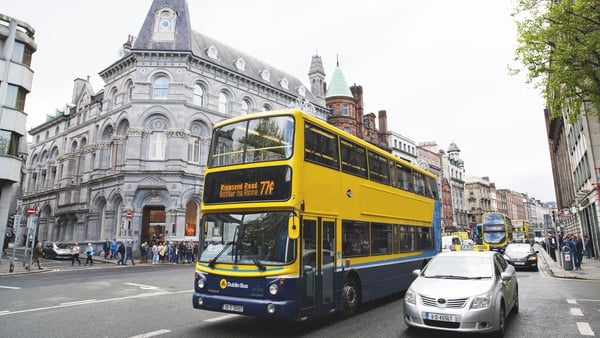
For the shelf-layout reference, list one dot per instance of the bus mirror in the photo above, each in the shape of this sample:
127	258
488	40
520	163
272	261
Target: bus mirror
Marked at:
294	227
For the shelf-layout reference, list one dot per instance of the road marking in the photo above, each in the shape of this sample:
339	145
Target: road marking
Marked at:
86	302
572	301
144	287
216	319
575	311
10	287
151	334
585	329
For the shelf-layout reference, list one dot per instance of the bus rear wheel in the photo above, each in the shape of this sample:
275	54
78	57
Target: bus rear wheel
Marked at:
350	297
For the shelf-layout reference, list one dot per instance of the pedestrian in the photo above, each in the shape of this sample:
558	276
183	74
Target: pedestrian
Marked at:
38	253
155	253
75	254
106	248
144	253
586	247
113	248
129	253
121	251
89	251
7	239
552	246
579	250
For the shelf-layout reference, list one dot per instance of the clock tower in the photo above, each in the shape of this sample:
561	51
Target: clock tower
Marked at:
165	21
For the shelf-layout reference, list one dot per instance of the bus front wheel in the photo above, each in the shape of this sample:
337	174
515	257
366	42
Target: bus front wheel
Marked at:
350	297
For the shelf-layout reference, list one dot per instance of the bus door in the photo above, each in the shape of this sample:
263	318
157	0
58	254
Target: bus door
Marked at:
318	264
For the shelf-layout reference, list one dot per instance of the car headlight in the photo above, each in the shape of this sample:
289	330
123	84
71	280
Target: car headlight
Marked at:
482	301
410	297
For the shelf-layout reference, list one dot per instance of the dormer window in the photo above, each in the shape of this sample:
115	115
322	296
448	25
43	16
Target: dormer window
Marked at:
302	91
265	75
212	52
240	64
284	83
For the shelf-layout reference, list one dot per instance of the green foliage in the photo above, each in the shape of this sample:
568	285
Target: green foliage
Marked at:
559	46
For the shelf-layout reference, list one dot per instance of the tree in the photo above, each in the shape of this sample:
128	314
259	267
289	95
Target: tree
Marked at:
559	45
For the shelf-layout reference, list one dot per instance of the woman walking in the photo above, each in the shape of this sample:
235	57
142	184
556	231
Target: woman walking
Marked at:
75	253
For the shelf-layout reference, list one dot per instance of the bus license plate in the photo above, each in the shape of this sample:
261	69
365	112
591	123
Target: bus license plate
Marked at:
234	308
440	317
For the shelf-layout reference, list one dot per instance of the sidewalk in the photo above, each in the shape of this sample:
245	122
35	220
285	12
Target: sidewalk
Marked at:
19	269
590	268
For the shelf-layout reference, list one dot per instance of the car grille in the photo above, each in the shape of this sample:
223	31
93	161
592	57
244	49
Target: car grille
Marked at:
445	303
446	325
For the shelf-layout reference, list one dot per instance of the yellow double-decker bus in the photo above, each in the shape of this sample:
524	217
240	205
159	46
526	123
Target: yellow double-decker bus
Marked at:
522	232
496	229
301	219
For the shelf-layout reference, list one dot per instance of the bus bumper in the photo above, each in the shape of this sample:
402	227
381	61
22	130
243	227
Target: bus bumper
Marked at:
266	308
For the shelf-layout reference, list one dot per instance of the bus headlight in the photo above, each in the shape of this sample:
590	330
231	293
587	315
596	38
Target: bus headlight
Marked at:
273	289
270	308
201	283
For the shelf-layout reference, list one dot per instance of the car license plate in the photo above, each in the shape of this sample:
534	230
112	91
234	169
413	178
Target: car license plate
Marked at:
440	317
519	263
234	308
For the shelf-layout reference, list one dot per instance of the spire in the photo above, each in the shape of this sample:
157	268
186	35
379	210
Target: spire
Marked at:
166	27
338	85
316	76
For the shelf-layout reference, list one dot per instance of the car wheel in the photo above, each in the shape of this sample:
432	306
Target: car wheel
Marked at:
515	308
350	297
501	322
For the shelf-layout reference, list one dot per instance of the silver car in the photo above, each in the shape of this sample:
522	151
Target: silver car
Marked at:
463	291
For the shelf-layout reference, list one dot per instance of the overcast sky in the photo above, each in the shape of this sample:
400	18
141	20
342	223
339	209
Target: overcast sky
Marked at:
439	68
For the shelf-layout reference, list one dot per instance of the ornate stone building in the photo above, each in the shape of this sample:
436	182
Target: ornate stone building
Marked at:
128	161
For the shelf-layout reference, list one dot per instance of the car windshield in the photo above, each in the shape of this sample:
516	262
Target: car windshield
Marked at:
461	267
257	239
61	246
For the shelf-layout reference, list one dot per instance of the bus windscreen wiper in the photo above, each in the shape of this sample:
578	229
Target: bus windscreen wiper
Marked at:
214	260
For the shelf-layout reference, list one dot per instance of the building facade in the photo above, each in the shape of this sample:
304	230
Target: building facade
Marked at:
127	162
17	45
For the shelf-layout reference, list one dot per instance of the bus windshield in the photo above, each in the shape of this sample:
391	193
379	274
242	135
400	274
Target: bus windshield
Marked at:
253	238
494	237
254	140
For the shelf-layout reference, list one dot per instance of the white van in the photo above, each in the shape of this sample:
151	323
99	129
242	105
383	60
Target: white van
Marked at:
449	242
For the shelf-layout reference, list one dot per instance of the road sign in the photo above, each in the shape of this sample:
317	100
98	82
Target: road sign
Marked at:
31	211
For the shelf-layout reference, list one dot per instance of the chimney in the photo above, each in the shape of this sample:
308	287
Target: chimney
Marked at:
383	122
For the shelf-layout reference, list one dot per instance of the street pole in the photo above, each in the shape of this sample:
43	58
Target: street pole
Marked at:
16	225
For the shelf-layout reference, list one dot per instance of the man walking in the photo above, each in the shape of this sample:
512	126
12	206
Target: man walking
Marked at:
129	251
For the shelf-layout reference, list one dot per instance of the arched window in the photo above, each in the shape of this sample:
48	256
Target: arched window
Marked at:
223	103
160	87
266	107
128	91
245	106
198	94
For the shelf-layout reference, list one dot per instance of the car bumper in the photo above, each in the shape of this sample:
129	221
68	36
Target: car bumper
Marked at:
480	320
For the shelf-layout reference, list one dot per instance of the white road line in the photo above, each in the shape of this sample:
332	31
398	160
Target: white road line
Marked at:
144	287
10	287
63	305
575	311
216	319
151	334
585	329
571	301
87	301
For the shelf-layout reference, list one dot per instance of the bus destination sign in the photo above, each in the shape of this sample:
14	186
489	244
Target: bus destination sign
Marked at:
255	184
